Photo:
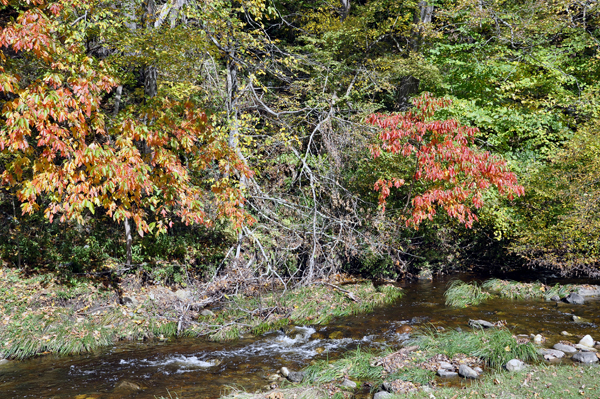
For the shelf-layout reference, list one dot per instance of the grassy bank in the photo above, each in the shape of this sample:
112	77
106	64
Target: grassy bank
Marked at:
461	294
410	372
48	313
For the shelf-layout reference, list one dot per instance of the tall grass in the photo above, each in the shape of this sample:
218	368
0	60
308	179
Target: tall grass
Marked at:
460	294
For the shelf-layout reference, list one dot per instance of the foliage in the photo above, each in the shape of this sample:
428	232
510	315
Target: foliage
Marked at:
516	290
62	152
355	365
460	294
447	173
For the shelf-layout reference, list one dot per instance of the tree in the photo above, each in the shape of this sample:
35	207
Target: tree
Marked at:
447	172
150	164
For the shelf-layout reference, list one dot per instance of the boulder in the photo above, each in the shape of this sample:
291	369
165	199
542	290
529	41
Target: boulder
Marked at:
514	365
467	372
446	373
585	357
587	341
565	348
480	324
382	395
575	299
555	298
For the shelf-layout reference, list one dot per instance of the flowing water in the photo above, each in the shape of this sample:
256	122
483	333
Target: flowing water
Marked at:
197	369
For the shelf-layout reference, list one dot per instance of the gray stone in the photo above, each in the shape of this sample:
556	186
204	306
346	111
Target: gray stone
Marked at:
575	299
565	333
478	369
446	373
127	386
552	353
514	365
480	324
587	341
295	376
578	319
207	312
3	361
555	298
467	372
284	371
585	348
382	395
538	339
565	348
348	383
446	366
585	357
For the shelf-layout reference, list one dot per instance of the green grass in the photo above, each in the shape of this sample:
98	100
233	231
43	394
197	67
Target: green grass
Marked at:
460	294
495	346
355	364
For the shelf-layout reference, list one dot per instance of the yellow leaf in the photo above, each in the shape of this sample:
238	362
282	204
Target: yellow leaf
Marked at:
507	348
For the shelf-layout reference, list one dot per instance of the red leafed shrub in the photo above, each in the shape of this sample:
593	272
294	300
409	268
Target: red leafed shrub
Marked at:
456	172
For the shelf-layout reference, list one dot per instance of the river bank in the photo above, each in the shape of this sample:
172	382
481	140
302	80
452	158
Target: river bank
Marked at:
44	314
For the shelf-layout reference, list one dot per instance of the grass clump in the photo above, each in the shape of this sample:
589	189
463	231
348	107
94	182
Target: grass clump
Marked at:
516	290
494	346
460	294
355	365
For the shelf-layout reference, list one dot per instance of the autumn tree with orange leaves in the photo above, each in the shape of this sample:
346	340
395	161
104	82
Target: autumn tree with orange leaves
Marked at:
63	150
451	173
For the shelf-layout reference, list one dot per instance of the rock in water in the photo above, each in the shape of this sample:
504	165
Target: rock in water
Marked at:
446	373
538	339
555	298
295	376
514	365
284	371
467	372
575	299
587	341
480	324
565	348
585	357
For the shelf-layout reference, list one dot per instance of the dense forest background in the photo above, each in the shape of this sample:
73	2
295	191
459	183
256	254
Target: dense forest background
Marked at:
182	138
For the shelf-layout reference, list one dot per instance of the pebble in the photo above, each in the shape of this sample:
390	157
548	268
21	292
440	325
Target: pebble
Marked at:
480	324
585	348
565	348
284	371
348	383
553	353
538	339
566	334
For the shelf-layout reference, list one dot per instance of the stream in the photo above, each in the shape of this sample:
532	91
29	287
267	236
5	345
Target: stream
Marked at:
194	368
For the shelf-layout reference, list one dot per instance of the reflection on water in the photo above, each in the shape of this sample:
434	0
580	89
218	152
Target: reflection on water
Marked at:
197	369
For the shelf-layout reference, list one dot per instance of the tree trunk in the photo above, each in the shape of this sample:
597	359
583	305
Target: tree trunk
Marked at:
128	242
